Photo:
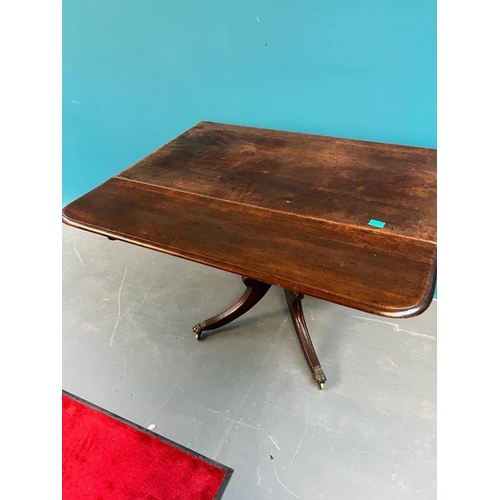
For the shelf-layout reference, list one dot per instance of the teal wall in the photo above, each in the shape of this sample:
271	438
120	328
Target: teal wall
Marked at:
137	73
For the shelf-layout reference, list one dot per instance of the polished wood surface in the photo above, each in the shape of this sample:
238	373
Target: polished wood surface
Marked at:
294	301
283	208
254	292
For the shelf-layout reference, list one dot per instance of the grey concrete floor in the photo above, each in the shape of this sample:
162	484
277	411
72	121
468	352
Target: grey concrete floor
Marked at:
245	396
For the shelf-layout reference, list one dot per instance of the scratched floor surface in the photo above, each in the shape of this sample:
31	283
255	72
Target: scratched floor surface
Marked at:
245	396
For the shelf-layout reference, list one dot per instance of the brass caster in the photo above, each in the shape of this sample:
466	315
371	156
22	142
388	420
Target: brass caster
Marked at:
197	329
319	377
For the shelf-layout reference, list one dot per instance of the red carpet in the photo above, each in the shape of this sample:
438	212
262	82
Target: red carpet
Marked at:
106	457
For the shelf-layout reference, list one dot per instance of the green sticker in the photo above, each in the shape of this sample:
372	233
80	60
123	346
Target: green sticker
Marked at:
376	223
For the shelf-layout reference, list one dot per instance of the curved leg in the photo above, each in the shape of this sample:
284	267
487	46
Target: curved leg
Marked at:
294	301
254	292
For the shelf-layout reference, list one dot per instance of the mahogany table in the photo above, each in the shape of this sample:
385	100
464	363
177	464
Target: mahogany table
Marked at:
350	222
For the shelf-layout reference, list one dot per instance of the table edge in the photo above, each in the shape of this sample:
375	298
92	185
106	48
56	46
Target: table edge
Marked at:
405	312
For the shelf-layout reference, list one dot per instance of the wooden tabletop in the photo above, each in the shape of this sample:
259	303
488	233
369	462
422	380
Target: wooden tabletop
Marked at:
288	209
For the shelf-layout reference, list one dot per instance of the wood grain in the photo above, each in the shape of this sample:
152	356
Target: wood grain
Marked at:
284	208
337	180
